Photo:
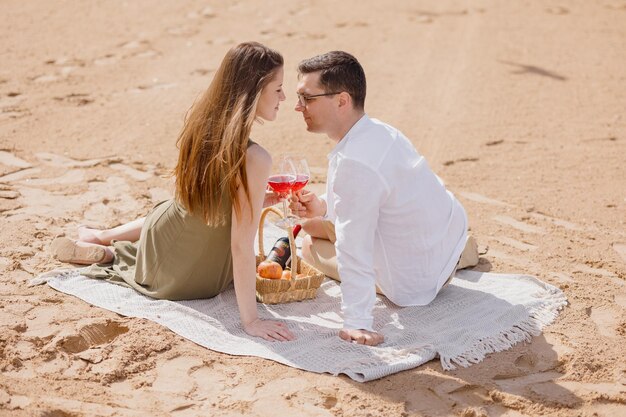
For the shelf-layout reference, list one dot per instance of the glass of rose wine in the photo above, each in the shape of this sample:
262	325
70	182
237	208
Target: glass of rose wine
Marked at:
303	174
282	182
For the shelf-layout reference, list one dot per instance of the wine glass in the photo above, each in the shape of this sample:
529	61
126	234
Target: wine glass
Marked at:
302	178
282	182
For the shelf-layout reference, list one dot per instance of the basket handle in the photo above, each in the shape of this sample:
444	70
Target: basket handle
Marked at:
292	240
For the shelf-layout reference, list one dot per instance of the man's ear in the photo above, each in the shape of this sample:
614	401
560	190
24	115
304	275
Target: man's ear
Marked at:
344	99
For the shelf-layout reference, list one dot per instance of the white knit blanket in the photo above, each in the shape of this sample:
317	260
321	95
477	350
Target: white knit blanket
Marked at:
479	313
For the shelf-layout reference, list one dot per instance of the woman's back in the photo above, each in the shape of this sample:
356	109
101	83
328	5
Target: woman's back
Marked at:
180	257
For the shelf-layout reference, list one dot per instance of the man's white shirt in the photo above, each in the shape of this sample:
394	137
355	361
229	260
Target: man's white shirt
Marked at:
396	224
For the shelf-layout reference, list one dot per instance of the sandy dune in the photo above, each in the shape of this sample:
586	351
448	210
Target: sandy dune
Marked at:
519	106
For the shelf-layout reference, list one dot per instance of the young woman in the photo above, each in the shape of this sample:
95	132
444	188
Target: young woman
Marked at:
196	244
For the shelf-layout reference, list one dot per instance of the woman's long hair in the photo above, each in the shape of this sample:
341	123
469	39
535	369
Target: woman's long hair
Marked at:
214	139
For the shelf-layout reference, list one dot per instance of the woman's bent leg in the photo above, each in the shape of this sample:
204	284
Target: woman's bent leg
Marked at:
129	231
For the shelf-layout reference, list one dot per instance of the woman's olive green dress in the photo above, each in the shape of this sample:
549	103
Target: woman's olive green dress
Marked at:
177	257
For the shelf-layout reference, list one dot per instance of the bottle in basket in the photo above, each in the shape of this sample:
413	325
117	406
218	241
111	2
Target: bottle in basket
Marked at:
281	252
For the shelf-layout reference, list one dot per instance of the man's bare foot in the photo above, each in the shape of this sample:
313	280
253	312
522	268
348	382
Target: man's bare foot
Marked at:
90	235
362	337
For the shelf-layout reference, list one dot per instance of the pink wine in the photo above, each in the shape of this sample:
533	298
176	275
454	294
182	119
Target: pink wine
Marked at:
301	181
281	183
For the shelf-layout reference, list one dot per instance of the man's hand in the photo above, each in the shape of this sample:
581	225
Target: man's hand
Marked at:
362	337
306	204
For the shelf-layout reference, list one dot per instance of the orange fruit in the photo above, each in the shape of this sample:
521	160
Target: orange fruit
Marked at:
270	269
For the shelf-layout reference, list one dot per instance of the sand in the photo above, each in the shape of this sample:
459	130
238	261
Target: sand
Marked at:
518	106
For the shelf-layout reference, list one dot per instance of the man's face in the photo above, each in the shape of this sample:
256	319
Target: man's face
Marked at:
319	112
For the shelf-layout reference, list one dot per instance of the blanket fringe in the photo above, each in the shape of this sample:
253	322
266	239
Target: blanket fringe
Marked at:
538	318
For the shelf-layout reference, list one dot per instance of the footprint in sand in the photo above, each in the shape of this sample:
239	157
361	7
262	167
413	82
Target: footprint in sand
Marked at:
139	48
7	158
603	392
46	204
65	62
555	393
20	174
564	278
77	99
217	378
202	71
620	248
11	100
16	402
72	176
313	36
515	243
360	24
92	335
519	384
108	59
516	260
9	106
479	198
620	300
586	269
297	396
154	86
468	159
522	226
147	54
208	12
10	113
134	44
63	161
557	222
606	319
13	113
61	73
132	172
173	375
558	10
46	78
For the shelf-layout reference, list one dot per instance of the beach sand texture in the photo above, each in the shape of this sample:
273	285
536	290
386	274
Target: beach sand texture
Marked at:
519	106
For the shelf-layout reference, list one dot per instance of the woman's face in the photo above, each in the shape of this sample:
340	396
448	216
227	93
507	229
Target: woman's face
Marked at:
271	96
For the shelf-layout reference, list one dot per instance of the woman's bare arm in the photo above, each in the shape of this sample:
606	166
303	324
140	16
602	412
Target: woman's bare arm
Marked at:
243	232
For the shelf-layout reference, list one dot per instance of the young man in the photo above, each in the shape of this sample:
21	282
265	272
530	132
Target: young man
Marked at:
395	227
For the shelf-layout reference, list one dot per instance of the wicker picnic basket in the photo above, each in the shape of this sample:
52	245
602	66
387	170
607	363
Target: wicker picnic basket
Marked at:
305	279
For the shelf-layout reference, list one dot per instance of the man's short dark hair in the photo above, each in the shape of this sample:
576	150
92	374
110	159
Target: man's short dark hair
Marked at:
339	71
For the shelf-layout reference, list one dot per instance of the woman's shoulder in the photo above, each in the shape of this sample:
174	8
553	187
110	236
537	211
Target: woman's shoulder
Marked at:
258	156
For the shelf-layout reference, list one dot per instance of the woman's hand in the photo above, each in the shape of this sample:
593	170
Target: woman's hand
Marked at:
272	198
269	330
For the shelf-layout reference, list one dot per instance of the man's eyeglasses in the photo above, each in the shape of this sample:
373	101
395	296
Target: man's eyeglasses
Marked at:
303	100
